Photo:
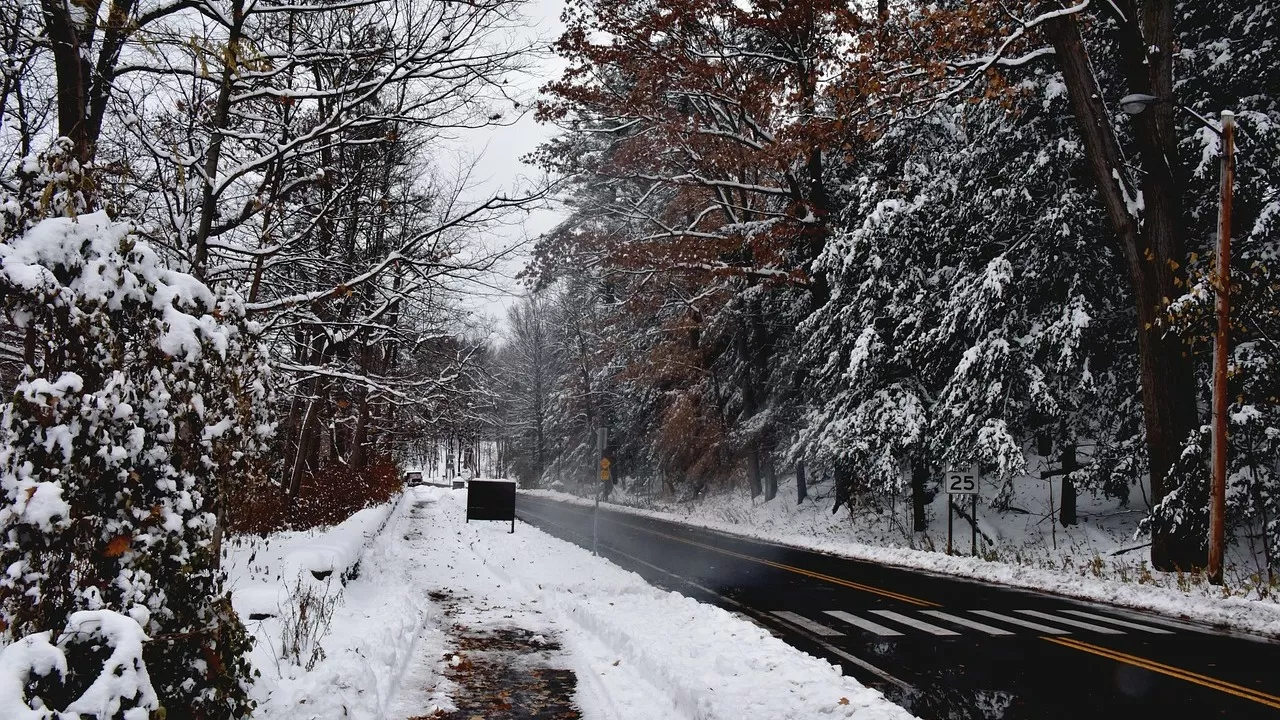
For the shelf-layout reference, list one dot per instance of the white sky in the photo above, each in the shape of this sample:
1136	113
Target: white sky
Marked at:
499	167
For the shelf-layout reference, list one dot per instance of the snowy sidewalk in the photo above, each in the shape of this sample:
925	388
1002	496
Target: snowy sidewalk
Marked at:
455	620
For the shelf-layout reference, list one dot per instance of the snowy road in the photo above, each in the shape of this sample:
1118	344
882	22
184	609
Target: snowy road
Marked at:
940	646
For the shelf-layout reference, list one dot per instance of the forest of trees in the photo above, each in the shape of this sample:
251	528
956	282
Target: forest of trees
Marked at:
859	241
867	241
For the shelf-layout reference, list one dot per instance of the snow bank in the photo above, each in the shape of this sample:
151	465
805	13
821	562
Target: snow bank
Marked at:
639	653
375	625
261	572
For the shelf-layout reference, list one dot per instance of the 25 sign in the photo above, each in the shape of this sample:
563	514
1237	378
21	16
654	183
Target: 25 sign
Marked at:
961	481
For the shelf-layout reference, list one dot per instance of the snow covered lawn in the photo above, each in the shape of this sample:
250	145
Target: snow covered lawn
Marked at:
1081	564
430	584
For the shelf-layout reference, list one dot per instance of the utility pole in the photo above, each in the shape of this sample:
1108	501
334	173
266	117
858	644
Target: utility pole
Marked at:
1221	350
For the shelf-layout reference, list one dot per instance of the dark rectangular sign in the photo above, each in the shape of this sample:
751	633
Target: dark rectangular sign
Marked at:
491	500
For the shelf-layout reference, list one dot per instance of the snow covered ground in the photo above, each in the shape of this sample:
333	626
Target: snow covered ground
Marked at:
429	584
1098	559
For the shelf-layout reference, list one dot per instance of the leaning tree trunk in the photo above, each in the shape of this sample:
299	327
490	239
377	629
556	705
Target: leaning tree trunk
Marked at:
1150	240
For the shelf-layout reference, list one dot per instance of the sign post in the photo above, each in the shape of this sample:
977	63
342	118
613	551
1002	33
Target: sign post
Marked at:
602	443
962	481
950	512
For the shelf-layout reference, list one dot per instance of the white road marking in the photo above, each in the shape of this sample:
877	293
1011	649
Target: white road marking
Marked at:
867	625
1019	621
912	622
814	627
974	624
1121	623
1072	623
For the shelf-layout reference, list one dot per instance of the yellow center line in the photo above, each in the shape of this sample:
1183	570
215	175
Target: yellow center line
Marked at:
1239	691
789	568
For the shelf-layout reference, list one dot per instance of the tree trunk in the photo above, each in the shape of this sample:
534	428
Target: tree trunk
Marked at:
753	471
1153	251
841	481
919	477
213	156
360	436
306	436
770	481
1067	514
802	488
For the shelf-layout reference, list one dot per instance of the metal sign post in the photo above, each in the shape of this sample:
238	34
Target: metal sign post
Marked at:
950	512
962	481
602	442
973	513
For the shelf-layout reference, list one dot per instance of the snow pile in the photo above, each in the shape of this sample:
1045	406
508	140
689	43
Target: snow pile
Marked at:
369	628
122	684
1088	561
262	571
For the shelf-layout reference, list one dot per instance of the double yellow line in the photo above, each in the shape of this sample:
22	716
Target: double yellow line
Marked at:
791	568
1239	691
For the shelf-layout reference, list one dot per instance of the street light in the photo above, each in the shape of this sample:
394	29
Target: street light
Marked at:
1134	104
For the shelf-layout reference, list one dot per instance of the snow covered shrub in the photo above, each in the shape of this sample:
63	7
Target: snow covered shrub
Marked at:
50	184
34	671
142	402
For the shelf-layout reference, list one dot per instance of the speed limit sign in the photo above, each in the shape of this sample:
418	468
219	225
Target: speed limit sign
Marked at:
961	481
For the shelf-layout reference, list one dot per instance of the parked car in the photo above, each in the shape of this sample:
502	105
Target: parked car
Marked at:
414	477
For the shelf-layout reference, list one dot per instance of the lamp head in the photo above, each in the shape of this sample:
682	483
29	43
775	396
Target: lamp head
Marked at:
1137	102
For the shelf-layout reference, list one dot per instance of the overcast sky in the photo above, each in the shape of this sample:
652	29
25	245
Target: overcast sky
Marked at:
499	168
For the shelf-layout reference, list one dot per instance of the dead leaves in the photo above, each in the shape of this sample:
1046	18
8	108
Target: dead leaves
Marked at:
117	547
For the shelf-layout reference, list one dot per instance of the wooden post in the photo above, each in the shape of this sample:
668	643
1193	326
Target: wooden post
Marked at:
1221	348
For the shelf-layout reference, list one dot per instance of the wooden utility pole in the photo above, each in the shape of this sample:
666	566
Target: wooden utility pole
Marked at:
1221	350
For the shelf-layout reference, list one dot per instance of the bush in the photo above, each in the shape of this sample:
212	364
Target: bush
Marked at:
326	498
142	400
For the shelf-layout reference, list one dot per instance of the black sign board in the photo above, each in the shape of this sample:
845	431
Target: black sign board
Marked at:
491	500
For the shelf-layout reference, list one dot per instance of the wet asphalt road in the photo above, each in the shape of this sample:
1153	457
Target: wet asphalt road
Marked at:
939	646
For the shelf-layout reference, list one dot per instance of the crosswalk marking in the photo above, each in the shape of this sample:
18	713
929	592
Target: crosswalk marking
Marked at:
959	622
973	624
867	625
757	623
912	622
807	624
1019	621
1072	623
1121	623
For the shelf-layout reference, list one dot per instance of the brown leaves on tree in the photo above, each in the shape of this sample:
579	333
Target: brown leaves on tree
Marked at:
118	546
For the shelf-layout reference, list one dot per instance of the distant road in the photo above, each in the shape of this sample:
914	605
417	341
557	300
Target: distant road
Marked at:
944	647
